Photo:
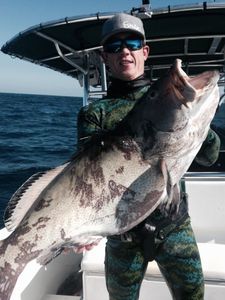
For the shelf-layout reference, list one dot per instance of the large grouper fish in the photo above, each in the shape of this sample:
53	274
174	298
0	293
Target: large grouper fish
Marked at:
116	181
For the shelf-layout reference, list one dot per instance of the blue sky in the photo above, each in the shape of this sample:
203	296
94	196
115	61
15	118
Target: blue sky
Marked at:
19	76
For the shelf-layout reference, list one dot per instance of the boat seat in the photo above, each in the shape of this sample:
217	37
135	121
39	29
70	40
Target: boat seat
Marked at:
213	263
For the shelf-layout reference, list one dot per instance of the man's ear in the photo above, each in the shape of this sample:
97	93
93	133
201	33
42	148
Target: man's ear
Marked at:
146	50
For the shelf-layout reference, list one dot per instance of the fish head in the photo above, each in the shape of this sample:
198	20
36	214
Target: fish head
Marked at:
176	98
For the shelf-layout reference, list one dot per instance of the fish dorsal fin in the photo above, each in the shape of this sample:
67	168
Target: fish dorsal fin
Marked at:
27	195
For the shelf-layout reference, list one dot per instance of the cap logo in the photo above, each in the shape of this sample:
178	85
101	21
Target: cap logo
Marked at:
126	24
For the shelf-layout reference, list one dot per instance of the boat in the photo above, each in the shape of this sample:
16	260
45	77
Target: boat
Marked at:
195	34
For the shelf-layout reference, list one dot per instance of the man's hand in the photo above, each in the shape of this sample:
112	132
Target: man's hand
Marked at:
82	248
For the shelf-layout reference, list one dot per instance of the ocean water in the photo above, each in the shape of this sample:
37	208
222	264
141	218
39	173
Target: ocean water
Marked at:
37	132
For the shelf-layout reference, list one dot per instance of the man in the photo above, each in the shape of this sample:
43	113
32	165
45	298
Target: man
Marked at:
170	241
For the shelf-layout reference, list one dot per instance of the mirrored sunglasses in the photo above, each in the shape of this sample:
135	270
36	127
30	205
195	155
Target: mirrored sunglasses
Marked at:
117	45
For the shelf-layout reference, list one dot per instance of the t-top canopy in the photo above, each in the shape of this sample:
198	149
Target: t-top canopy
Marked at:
195	34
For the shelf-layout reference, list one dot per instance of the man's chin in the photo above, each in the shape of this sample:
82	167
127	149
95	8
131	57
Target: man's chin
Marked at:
127	75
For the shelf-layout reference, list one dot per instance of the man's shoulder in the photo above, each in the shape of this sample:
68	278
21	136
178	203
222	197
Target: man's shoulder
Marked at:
110	103
105	104
95	105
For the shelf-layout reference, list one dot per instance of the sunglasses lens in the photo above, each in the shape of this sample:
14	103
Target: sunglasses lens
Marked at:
113	47
133	44
117	46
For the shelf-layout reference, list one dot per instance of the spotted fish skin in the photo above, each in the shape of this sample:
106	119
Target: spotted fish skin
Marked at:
116	181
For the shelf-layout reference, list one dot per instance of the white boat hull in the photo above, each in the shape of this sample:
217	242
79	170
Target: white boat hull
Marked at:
207	210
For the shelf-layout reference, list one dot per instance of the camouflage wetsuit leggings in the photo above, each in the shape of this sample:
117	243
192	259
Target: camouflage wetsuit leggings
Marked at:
177	257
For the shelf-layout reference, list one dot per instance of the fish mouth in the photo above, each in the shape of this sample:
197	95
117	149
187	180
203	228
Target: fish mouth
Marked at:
194	86
205	80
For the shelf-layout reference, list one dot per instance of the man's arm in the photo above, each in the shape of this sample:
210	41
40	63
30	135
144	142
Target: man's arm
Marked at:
88	124
209	152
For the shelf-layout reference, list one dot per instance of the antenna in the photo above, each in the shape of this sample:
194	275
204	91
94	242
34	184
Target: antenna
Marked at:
144	11
146	4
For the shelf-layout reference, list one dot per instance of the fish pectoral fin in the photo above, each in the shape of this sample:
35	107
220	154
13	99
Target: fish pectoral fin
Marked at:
167	179
27	197
143	196
175	201
170	203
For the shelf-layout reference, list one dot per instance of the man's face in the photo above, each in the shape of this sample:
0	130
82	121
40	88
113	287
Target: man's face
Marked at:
126	64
